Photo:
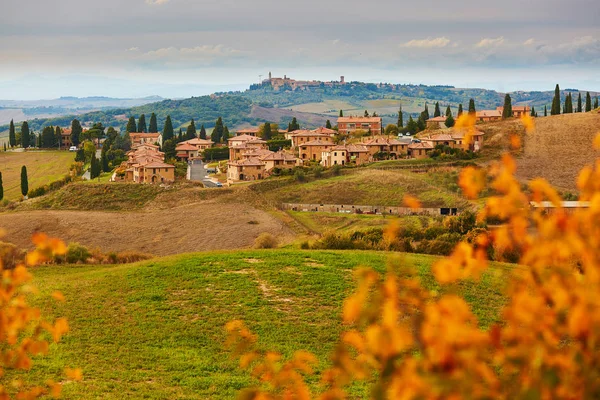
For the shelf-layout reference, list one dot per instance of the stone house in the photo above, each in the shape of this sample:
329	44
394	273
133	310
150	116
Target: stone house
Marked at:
347	125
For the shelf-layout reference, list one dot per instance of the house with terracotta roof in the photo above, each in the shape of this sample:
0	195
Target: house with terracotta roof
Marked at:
358	154
419	150
337	155
280	160
436	122
200	144
488	115
348	125
440	139
145	164
302	136
247	131
185	151
154	172
518	111
141	138
65	138
249	169
475	139
314	149
239	145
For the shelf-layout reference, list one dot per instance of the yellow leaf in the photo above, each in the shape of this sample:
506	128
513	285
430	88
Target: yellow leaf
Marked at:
58	296
74	374
528	123
411	202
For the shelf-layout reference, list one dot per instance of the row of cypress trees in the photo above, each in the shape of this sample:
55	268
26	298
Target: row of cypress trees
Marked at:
567	107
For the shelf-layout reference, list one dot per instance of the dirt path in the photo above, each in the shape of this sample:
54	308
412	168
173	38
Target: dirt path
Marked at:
196	227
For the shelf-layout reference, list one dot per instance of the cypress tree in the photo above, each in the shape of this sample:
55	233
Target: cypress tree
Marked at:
267	131
104	159
533	113
202	132
366	113
507	110
131	126
24	182
11	134
460	110
4	146
569	104
168	129
421	122
225	137
58	135
437	112
596	103
142	124
32	138
328	124
545	111
25	135
588	102
411	125
180	136
472	109
217	132
425	113
341	113
448	112
579	105
75	132
153	127
1	184
555	110
190	132
449	121
400	123
47	137
294	125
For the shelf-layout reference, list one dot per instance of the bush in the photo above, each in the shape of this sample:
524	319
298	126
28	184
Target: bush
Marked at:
305	245
318	171
77	253
265	241
336	170
126	257
299	175
10	255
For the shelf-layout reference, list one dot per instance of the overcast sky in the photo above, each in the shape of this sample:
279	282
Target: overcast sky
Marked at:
180	48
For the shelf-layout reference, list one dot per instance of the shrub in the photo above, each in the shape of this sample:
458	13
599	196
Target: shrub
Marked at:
305	245
336	170
10	255
77	253
126	257
299	175
265	241
318	171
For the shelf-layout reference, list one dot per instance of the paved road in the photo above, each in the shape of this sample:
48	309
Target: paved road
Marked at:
211	184
198	172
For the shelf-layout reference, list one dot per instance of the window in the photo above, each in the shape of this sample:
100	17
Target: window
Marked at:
335	154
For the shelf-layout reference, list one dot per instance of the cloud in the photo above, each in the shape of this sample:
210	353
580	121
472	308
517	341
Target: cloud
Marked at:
156	2
336	41
428	43
529	42
133	49
490	42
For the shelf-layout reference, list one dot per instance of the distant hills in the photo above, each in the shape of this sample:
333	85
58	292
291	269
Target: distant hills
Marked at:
311	106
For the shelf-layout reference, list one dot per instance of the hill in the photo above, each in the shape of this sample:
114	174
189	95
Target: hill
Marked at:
170	313
43	167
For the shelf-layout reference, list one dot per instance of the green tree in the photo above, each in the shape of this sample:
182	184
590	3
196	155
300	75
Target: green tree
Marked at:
217	133
1	184
436	112
391	129
341	113
76	130
131	126
202	132
24	182
180	136
421	125
58	135
425	113
448	112
104	162
400	122
12	139
48	137
366	113
555	110
533	113
328	124
472	109
294	125
579	104
411	126
142	124
450	121
545	111
226	134
93	166
153	126
169	149
25	135
507	110
190	132
460	110
267	131
588	102
168	129
569	104
596	103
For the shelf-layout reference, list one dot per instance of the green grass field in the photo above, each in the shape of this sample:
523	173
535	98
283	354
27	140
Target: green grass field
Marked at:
43	167
155	329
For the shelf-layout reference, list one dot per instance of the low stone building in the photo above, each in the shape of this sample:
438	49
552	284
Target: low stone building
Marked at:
313	150
142	138
249	169
348	125
488	115
436	122
419	150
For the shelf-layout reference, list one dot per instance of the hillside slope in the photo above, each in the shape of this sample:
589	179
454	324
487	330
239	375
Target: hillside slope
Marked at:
156	329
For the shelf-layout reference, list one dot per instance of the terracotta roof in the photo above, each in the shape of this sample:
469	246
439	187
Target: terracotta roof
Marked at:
422	145
460	134
354	148
256	153
309	134
488	113
376	141
441	118
317	142
143	135
246	162
198	141
359	119
241	138
158	164
340	147
325	131
442	137
515	108
256	141
247	130
66	131
185	147
280	155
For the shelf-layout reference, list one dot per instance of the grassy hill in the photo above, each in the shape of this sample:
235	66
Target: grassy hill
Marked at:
169	314
43	167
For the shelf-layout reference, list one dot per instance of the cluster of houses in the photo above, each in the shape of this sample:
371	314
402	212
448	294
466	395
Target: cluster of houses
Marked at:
145	164
483	116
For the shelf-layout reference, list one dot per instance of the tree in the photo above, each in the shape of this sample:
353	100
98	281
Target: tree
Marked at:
1	185
226	134
507	109
142	124
533	113
58	136
569	104
169	149
588	102
341	113
545	111
168	129
25	135
267	131
366	113
460	110
421	124
153	127
391	129
104	162
217	132
328	124
190	132
579	104
400	123
472	109
93	165
131	126
180	136
11	134
596	103
449	121
436	112
48	137
448	112
24	182
294	125
425	113
555	110
202	132
76	132
411	126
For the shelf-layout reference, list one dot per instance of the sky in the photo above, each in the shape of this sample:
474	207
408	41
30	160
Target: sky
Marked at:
182	48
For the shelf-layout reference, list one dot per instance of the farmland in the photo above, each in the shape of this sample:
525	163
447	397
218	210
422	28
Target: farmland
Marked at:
43	167
155	329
